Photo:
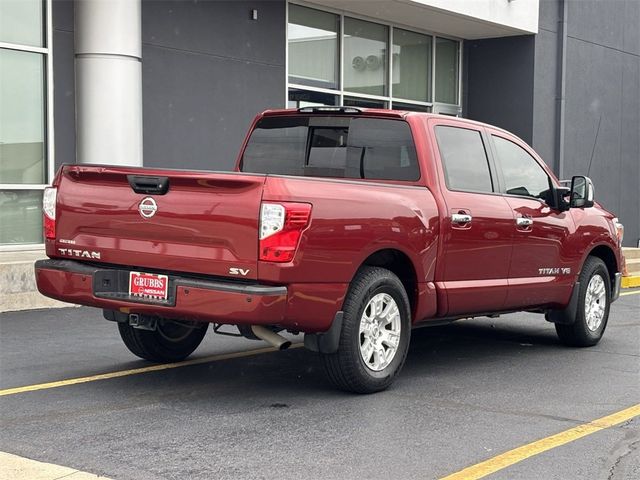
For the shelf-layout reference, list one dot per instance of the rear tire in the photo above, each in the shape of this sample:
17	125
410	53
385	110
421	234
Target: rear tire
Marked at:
375	333
169	342
592	314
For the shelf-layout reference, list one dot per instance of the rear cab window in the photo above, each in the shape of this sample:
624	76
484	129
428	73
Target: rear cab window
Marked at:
332	146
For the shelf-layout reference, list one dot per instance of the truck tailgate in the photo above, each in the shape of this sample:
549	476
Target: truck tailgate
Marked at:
205	223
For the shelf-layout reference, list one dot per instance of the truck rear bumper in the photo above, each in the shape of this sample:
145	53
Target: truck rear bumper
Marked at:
189	298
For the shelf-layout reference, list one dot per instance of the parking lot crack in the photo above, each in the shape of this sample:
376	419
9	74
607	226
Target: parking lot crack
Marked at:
518	413
632	446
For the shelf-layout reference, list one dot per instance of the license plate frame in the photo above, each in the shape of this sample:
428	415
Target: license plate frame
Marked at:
149	286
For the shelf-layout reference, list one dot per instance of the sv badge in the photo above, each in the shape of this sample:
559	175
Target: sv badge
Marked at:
238	271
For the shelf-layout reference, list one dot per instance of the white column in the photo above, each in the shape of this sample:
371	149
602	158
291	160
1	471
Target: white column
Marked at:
108	60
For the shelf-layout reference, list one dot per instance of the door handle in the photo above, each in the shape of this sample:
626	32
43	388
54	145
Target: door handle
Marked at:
461	218
524	222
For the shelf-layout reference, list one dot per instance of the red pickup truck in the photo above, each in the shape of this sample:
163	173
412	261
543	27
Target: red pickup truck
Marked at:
351	226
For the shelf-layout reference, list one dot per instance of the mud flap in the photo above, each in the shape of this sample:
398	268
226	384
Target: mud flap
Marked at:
328	341
566	316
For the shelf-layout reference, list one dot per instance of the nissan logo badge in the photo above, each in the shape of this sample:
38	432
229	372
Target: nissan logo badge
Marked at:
147	207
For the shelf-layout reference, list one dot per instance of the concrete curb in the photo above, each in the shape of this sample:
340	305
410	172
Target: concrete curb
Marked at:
20	468
630	282
18	289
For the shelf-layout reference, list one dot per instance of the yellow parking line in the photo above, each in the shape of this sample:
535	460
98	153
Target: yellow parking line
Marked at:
136	371
624	294
519	454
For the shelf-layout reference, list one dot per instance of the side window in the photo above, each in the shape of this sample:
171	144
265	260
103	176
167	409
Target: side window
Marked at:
464	159
522	174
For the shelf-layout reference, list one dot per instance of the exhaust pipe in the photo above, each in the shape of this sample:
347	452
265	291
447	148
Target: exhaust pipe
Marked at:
269	336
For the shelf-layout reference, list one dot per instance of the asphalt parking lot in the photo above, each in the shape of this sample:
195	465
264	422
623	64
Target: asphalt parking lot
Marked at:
469	391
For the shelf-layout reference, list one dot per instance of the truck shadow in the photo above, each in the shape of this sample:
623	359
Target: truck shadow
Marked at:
275	380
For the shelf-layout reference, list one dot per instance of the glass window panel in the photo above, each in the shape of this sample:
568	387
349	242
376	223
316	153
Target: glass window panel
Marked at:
410	107
363	103
464	159
411	65
313	47
522	174
307	98
344	147
381	149
365	57
22	134
21	22
277	146
447	55
20	217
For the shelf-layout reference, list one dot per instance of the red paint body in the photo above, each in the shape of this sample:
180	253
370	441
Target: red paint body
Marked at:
208	223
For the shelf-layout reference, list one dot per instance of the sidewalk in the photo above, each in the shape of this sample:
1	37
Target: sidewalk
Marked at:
20	468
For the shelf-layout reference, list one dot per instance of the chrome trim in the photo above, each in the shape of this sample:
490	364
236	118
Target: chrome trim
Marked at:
595	302
461	218
524	222
380	332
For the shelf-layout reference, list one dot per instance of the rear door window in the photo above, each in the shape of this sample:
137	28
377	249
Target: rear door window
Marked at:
325	146
464	159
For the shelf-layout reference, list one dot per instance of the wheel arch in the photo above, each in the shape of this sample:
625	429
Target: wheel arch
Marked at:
401	265
607	255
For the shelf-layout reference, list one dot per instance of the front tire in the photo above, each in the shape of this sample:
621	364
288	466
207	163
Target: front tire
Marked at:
375	333
594	299
169	342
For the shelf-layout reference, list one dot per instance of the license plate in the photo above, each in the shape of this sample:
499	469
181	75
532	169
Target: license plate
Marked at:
148	285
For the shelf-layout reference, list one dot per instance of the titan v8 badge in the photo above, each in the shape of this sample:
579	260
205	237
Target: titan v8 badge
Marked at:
147	207
555	271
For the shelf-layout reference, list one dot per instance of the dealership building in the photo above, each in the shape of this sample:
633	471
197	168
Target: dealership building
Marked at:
176	83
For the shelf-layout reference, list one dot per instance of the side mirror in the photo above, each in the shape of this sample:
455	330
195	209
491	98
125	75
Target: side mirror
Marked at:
581	192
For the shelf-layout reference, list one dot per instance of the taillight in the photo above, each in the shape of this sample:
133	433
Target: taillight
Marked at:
281	225
49	212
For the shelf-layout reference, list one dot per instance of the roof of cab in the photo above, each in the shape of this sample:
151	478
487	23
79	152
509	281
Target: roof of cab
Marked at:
327	110
373	112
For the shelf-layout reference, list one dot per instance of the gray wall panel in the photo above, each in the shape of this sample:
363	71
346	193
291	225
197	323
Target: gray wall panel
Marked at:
214	27
207	69
197	108
63	83
629	211
545	98
631	30
592	70
63	15
499	79
548	19
604	84
599	21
